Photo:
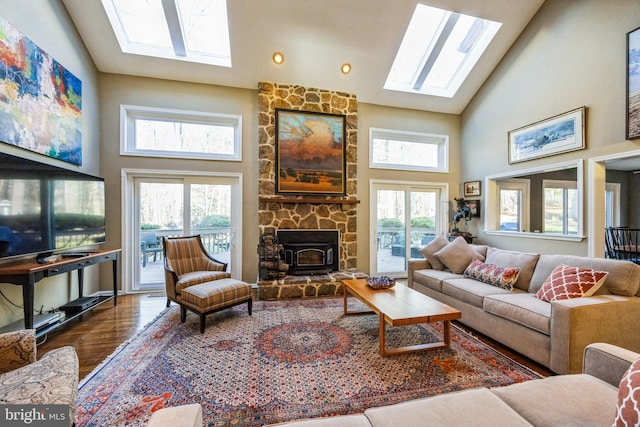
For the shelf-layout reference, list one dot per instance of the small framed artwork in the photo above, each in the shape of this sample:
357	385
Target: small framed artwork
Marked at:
310	153
472	189
555	135
474	207
633	84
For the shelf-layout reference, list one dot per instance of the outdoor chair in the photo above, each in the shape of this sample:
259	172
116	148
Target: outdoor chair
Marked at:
149	245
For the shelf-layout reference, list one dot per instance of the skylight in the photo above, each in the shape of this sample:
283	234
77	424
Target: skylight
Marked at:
186	30
438	51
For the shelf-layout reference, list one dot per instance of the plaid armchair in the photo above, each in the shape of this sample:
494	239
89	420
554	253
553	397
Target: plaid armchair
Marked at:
187	263
53	379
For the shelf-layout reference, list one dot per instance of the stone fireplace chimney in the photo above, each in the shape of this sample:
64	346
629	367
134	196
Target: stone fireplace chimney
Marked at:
291	212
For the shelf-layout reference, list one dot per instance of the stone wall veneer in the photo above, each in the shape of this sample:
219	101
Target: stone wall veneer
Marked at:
296	212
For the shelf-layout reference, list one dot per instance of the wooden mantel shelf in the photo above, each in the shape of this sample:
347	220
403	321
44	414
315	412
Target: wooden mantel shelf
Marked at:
328	200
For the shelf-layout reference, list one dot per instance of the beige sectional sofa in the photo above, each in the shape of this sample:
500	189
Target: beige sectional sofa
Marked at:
587	399
553	334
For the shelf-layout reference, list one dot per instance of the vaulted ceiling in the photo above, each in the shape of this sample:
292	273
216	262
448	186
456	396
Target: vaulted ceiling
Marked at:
316	37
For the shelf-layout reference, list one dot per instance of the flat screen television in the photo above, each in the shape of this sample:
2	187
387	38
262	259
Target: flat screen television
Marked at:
45	209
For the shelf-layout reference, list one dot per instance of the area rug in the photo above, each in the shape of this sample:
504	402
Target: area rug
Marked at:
289	360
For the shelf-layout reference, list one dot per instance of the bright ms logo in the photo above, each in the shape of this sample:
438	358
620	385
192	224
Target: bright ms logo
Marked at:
34	415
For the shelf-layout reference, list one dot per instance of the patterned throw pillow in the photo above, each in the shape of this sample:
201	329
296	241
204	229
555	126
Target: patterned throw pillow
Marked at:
628	412
566	282
492	274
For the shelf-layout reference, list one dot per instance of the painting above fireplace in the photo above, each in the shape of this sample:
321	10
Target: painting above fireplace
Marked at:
310	153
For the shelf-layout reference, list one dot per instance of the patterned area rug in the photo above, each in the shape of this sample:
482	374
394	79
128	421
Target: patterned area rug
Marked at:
291	359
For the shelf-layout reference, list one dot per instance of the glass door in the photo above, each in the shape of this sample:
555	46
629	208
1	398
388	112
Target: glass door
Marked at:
407	217
179	207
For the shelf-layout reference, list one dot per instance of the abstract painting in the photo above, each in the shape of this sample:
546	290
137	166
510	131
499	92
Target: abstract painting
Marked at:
310	153
40	100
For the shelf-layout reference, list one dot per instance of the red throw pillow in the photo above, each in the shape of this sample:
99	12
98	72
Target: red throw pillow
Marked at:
492	274
627	411
566	282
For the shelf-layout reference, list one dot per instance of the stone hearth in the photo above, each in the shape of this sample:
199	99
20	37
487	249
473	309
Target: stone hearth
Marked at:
320	285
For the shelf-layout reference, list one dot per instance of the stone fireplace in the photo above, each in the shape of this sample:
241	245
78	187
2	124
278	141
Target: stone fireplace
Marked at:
278	213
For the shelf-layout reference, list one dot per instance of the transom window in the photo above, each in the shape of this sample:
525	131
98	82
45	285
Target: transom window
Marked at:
183	134
392	149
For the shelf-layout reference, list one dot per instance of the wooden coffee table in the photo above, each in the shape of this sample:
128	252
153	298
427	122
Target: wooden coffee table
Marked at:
401	306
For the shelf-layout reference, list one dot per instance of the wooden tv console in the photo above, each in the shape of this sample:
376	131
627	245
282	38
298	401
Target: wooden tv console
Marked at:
28	273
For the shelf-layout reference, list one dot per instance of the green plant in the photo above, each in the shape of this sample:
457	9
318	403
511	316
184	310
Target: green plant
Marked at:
390	222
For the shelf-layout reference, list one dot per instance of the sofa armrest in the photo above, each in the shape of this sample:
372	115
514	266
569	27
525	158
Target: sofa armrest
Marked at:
607	362
414	264
17	349
578	322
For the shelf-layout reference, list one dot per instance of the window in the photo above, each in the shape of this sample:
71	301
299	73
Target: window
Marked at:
560	207
186	30
180	134
392	149
612	204
438	51
514	202
405	216
541	203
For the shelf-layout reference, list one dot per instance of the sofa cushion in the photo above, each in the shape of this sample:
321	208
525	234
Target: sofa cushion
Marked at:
355	420
457	255
628	411
481	249
566	282
431	248
433	278
623	278
522	308
526	261
578	400
476	407
469	290
492	274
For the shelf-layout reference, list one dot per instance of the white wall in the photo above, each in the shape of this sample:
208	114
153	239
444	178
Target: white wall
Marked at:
572	54
47	24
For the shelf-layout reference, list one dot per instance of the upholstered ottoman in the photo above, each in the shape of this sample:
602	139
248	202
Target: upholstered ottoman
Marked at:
206	298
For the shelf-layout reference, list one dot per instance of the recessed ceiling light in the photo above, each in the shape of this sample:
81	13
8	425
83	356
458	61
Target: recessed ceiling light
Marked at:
278	58
346	68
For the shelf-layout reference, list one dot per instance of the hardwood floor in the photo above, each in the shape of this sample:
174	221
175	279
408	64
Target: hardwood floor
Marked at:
96	334
99	332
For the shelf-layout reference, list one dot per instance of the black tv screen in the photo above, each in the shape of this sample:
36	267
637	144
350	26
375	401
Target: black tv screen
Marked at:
45	209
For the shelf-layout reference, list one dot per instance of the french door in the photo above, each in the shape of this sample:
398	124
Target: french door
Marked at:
405	216
161	206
